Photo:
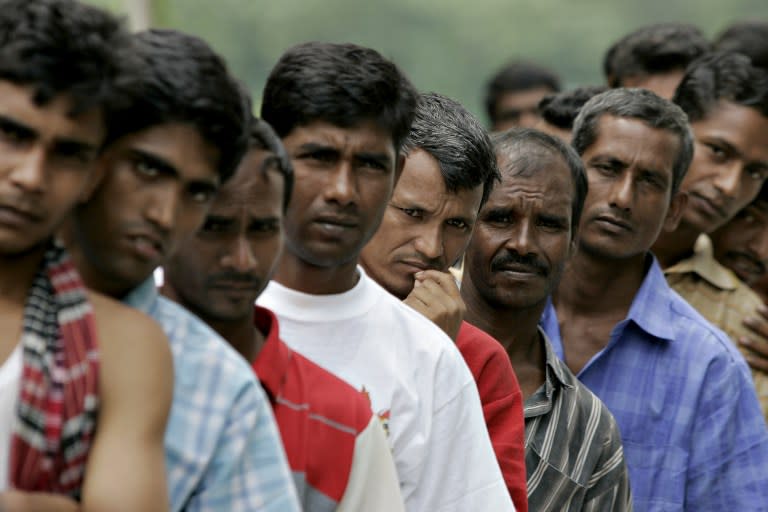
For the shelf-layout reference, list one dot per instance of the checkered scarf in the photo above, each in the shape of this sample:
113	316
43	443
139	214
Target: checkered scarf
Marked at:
57	407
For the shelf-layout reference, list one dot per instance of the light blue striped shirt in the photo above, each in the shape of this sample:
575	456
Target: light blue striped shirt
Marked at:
223	449
694	436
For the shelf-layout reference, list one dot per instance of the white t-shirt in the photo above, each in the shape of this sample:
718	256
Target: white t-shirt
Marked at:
417	382
10	384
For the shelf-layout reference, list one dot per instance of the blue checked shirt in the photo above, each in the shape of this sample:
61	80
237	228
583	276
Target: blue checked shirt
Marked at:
694	437
223	450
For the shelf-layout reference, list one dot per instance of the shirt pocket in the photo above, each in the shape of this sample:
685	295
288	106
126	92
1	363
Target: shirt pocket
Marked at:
549	488
657	476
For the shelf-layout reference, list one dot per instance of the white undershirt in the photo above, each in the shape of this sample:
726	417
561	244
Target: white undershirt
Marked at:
10	383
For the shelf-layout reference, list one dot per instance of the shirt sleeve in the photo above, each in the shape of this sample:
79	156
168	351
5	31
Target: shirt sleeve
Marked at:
373	484
459	471
728	468
249	470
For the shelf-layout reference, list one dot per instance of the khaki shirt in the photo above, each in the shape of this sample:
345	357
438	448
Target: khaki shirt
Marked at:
720	297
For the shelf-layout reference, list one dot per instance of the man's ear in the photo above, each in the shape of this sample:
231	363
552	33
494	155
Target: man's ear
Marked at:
675	213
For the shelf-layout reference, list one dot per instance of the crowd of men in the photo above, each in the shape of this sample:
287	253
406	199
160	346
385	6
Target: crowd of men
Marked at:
369	302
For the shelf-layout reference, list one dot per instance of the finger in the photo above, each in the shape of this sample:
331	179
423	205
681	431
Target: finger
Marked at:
758	327
444	279
757	363
760	349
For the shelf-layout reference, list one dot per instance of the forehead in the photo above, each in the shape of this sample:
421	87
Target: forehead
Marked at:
51	120
178	144
364	136
256	186
547	185
744	127
631	140
663	84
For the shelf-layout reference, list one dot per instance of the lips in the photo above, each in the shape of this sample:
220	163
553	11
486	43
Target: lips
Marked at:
14	215
519	268
342	222
148	246
615	222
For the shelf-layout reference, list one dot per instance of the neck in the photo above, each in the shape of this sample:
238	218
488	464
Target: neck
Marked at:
592	284
515	328
298	275
672	247
242	334
16	274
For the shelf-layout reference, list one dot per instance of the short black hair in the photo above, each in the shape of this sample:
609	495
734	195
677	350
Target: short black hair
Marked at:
562	108
65	47
342	84
654	49
644	106
524	148
262	136
183	80
749	38
719	76
516	76
457	140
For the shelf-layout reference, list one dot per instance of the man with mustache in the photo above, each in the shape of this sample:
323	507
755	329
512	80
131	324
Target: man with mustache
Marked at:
690	422
180	137
78	430
524	234
449	171
726	100
336	446
342	112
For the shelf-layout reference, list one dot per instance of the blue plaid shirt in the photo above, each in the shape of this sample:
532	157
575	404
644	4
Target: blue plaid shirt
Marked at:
694	437
223	450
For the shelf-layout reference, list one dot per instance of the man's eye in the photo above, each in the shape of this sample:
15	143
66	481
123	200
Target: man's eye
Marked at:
412	212
213	226
147	169
758	174
201	196
717	152
458	224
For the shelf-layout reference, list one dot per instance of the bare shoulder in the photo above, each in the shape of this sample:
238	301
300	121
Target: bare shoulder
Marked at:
129	338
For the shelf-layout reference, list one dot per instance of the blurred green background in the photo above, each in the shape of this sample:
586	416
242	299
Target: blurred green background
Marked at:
450	46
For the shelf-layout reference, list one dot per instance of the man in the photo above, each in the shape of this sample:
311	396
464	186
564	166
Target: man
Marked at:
742	243
336	446
726	100
559	111
181	136
68	356
342	112
524	234
654	57
689	419
749	38
449	171
514	92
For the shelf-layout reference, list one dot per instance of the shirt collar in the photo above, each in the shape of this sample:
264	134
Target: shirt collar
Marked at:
143	296
554	366
651	308
271	363
704	264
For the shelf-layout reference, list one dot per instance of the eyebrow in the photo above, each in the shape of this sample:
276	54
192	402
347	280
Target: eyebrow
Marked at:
612	160
728	146
62	144
11	124
381	159
161	164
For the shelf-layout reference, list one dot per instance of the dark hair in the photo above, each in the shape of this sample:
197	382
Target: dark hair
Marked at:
562	108
183	80
455	138
525	148
749	38
722	76
654	49
262	136
343	84
65	47
644	106
517	76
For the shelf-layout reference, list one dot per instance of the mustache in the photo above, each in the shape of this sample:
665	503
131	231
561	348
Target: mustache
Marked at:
234	278
514	258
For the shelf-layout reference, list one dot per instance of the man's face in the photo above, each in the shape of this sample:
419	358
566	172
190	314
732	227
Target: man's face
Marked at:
519	108
629	170
424	227
158	184
344	179
522	238
742	244
663	84
46	164
730	164
220	271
